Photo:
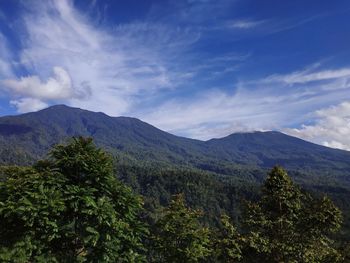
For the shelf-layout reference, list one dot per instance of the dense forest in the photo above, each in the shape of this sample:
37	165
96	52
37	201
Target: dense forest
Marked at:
81	204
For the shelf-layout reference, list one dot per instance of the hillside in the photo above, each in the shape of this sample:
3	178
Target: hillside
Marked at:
27	137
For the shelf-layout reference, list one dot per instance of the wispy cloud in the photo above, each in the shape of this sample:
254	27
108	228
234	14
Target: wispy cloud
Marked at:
216	114
244	24
111	65
254	105
5	58
305	76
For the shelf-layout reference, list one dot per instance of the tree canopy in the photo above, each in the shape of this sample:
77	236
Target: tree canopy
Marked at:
288	225
178	235
69	208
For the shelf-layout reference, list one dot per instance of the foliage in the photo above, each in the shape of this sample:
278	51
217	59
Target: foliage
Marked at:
227	242
69	208
178	235
204	191
30	207
287	225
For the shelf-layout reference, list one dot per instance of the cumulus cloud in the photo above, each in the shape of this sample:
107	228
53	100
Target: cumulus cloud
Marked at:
57	87
332	127
28	104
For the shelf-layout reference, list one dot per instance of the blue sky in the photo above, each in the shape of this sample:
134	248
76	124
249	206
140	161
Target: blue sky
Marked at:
195	68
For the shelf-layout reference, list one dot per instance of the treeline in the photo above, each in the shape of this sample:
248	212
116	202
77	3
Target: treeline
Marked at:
70	207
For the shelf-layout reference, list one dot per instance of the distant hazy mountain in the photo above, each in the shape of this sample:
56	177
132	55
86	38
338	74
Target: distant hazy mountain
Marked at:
27	137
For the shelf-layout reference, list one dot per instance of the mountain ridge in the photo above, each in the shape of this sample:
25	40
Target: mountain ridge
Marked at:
31	135
63	106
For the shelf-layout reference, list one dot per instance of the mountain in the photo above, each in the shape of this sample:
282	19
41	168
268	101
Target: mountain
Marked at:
266	149
215	175
33	134
28	137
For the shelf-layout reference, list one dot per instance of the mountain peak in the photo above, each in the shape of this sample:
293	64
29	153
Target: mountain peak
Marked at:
60	107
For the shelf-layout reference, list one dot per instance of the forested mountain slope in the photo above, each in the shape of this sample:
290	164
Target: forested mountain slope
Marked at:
214	175
27	137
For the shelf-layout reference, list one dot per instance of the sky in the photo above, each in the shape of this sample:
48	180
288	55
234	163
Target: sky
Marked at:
195	68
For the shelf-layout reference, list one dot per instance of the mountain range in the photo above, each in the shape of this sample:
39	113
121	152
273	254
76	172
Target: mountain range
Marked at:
26	138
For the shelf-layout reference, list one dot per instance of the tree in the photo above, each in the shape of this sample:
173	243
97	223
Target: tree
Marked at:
287	225
227	244
69	208
178	235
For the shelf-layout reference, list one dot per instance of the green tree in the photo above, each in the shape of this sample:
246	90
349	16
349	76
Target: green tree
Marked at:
287	225
178	235
69	208
227	242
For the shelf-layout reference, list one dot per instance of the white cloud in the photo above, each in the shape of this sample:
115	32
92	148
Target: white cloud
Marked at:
305	76
217	114
5	58
245	24
57	87
253	105
28	104
118	64
332	127
5	68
